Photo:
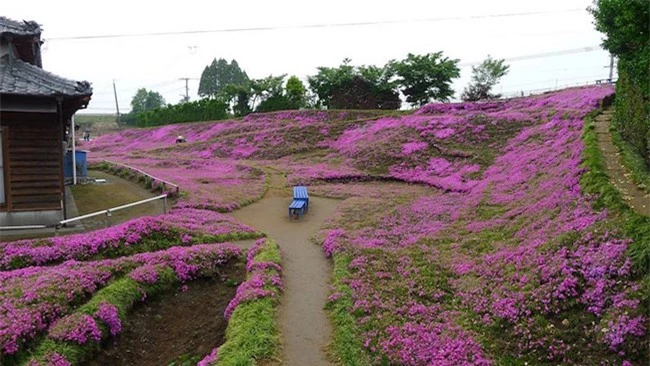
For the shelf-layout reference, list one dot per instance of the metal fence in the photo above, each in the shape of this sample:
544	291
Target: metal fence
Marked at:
108	213
153	179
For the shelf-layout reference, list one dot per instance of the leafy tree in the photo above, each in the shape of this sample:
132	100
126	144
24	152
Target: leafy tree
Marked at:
349	87
238	97
355	93
384	86
627	36
218	75
328	79
423	78
145	100
296	93
484	77
625	24
247	97
265	88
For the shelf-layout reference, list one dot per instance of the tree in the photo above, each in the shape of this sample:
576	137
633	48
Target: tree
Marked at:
262	89
328	79
627	36
350	87
384	86
145	100
355	93
247	97
218	75
484	77
296	93
238	97
423	78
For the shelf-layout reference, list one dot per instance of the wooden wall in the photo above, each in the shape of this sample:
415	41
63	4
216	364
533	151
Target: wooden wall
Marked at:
35	161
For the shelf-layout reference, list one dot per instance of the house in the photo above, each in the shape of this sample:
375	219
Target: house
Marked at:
36	108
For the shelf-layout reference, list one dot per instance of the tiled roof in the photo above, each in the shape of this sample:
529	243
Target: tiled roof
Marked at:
20	78
24	28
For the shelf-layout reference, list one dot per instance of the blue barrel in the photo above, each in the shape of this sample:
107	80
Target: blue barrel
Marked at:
82	169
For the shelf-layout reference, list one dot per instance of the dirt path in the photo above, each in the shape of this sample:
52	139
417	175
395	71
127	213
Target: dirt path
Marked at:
619	176
303	322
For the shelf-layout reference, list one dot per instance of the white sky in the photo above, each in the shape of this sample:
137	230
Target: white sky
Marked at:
157	62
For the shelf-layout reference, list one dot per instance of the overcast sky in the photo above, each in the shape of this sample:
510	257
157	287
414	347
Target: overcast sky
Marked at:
157	62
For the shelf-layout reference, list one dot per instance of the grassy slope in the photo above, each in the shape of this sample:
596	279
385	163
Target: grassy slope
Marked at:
639	170
633	225
253	334
96	197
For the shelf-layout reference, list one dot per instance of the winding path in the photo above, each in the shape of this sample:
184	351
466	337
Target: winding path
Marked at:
638	199
303	323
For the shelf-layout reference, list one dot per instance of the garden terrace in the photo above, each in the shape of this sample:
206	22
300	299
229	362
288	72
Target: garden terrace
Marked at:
464	233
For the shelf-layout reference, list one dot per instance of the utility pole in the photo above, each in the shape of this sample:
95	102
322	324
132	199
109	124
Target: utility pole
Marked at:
117	106
187	87
611	67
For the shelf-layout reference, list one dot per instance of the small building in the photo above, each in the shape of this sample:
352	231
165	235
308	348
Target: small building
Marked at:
36	108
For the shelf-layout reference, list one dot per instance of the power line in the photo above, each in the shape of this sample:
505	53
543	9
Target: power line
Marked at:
540	55
309	26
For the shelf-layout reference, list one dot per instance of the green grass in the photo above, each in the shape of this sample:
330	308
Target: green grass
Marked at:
253	333
94	118
346	347
117	191
632	160
631	224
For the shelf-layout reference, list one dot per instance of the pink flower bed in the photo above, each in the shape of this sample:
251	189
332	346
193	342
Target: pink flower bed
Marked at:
181	226
35	297
514	255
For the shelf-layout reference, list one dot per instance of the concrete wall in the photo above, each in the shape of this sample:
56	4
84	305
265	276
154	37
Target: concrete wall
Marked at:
30	218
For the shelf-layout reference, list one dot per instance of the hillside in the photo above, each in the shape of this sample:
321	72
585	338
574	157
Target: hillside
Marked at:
464	234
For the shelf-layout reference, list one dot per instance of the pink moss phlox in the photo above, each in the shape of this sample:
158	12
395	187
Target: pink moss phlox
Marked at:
108	314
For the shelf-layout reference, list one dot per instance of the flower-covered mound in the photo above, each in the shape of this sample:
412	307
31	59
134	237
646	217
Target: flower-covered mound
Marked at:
252	332
39	300
181	226
465	237
509	264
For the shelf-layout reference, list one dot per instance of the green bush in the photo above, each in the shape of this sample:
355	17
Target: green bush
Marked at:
201	110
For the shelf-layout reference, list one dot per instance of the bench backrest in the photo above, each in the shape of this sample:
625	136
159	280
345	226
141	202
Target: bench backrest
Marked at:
300	193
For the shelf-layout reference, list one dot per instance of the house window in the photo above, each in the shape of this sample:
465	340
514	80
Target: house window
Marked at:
2	169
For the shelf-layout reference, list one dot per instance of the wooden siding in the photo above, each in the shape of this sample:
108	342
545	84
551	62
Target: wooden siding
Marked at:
35	159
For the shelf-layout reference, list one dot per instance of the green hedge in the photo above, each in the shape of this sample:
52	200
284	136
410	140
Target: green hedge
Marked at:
201	110
632	109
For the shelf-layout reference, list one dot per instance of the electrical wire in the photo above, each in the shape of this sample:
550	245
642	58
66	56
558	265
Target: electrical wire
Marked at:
308	26
540	55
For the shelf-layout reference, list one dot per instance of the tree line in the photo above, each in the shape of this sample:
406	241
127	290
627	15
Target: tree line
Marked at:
416	79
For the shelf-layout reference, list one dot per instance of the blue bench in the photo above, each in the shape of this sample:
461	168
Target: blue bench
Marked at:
300	204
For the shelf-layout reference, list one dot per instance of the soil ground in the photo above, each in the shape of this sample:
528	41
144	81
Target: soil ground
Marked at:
638	199
303	322
176	329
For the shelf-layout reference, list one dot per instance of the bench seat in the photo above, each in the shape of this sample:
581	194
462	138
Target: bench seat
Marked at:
296	204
